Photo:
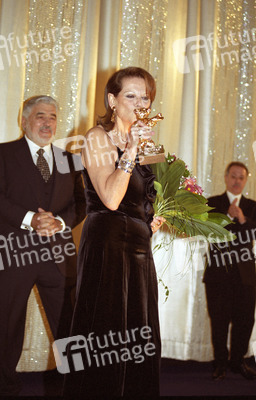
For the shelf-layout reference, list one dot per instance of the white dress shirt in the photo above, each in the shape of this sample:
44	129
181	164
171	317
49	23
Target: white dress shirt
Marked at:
231	198
33	147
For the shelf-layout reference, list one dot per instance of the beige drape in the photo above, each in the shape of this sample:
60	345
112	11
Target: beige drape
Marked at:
208	111
205	95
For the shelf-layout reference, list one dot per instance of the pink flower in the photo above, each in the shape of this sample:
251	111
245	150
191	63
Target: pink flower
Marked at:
189	182
191	185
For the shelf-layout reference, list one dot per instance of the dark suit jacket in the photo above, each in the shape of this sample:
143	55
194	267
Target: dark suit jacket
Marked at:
19	193
223	258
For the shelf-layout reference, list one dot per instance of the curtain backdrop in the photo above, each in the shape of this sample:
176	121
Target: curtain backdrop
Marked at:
201	53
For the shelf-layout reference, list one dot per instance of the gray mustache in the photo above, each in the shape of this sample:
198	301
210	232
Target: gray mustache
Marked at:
46	127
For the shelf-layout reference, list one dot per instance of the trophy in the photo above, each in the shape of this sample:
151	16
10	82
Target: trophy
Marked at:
148	152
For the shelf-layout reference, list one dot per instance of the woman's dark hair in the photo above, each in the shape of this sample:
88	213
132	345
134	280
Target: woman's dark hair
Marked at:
114	86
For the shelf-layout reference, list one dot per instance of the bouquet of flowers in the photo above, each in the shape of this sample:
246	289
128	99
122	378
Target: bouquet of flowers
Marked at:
180	201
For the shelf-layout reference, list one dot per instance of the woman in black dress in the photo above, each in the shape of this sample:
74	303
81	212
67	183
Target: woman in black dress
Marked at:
116	307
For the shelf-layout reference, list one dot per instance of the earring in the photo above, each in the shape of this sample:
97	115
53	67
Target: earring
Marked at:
113	116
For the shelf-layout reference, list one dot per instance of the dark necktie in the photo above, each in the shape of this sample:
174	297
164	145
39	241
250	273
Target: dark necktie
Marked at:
43	166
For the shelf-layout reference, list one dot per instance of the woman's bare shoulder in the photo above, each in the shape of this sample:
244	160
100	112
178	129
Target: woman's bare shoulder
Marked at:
99	137
99	150
97	130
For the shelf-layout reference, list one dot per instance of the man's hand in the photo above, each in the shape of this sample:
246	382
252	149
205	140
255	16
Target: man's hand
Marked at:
236	212
45	224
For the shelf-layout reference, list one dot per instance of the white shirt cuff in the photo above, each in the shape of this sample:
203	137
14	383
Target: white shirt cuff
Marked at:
26	223
62	223
229	216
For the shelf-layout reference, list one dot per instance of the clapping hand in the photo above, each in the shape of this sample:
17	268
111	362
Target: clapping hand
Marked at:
236	212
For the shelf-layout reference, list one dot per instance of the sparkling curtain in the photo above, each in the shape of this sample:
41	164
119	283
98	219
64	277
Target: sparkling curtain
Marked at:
233	97
13	23
55	41
143	38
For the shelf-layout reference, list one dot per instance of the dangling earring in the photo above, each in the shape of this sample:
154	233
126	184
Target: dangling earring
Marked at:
113	116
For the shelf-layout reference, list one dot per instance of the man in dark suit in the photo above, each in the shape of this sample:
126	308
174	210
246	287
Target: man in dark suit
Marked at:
38	208
230	277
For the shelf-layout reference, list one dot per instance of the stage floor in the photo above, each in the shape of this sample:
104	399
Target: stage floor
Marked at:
178	379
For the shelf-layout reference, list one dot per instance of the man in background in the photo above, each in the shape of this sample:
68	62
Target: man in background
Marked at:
39	207
230	277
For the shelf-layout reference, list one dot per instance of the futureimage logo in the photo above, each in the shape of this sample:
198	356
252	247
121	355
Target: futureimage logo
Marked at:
77	352
36	47
91	146
195	53
31	248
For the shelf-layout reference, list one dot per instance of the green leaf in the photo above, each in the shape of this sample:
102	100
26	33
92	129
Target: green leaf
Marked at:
169	175
158	187
213	232
185	211
208	230
202	217
192	202
173	176
220	219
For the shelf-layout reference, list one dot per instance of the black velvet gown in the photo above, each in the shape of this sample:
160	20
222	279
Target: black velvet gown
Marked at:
116	307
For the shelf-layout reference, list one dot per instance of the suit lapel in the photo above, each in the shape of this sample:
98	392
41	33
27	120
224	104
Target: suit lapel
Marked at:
60	179
224	203
244	205
57	188
26	163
